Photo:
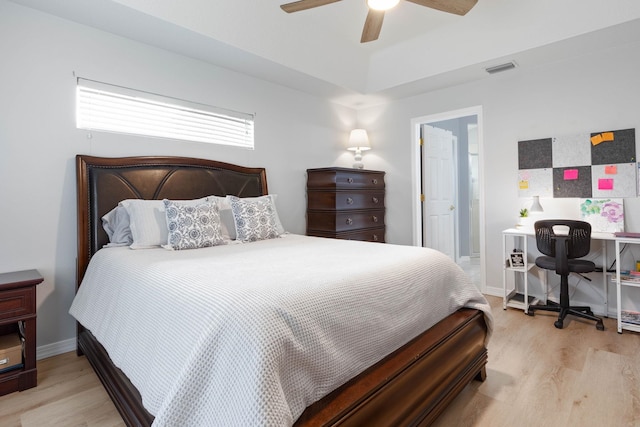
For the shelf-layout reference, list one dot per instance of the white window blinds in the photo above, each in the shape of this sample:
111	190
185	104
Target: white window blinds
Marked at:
105	107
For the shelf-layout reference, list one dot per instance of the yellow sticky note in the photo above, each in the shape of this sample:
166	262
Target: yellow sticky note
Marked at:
611	170
524	185
607	136
596	139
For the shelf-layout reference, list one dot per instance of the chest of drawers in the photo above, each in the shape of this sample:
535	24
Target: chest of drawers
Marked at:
346	204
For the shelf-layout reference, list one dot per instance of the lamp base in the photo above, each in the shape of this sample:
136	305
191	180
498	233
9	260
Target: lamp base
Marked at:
358	160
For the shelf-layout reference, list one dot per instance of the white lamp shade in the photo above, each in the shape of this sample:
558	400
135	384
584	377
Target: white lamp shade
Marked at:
358	140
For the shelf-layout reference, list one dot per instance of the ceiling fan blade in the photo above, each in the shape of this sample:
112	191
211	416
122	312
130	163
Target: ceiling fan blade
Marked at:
458	7
297	6
372	26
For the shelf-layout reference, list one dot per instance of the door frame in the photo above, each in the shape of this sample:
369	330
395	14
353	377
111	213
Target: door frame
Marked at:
416	176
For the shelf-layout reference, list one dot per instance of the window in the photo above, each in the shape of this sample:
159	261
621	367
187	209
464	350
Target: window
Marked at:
105	107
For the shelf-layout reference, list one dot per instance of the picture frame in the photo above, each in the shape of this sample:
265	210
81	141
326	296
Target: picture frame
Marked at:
516	259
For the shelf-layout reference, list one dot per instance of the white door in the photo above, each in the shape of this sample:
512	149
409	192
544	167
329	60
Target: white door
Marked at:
439	187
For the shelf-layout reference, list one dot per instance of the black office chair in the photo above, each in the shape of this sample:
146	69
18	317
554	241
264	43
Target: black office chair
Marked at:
561	251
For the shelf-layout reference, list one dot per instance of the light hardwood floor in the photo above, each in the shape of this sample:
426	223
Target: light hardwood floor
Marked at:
537	375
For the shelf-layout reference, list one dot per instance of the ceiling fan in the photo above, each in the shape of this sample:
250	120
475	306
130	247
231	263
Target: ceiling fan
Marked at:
373	24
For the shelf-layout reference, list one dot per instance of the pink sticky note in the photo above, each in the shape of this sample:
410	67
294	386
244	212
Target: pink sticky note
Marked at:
605	184
570	174
611	170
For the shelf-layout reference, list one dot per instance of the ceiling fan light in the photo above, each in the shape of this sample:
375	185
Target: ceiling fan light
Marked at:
382	4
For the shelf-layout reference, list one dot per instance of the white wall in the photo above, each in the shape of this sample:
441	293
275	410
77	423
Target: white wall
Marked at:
38	139
589	93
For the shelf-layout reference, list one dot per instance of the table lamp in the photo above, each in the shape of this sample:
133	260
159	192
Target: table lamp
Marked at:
358	142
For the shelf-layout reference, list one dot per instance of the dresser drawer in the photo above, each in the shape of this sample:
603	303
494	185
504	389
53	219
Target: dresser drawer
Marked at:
345	220
338	200
345	179
368	235
17	302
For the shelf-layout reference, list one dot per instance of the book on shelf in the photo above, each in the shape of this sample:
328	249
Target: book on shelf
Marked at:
630	317
630	278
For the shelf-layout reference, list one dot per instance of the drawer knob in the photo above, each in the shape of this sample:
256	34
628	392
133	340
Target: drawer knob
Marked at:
350	180
375	237
349	221
375	218
374	199
374	181
349	201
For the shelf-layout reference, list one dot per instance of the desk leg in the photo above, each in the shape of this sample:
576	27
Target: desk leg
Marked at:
605	283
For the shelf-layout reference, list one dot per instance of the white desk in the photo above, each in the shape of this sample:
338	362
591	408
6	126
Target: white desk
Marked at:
512	298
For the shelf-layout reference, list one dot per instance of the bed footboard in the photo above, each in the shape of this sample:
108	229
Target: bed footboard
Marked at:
412	386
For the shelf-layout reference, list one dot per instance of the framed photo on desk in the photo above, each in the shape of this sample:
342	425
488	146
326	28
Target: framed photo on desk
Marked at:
516	259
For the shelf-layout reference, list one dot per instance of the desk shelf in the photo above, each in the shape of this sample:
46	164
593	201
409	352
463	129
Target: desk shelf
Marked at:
620	284
516	296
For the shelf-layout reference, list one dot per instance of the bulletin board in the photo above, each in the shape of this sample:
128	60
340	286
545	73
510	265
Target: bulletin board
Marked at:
587	165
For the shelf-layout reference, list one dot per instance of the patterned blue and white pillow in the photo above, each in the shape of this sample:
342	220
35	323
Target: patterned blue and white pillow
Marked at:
192	227
255	218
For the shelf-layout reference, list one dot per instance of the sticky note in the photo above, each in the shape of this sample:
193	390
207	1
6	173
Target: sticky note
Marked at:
611	170
607	136
605	184
596	139
524	185
570	174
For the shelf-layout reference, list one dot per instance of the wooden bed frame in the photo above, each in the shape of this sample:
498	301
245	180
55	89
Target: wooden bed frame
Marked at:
411	386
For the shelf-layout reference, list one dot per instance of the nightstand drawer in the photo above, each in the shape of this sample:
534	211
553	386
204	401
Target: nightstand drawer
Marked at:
345	179
17	302
345	220
326	200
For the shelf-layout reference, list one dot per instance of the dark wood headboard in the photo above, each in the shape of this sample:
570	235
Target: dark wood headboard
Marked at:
103	182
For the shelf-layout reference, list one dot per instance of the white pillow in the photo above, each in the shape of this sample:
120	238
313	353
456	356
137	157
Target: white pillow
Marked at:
226	217
255	218
148	221
192	227
116	225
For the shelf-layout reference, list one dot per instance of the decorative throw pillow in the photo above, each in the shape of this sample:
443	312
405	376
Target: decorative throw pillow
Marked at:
255	218
192	227
148	222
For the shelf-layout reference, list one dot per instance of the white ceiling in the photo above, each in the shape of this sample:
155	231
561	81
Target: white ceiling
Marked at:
319	51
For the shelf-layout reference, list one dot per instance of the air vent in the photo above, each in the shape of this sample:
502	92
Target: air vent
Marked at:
502	67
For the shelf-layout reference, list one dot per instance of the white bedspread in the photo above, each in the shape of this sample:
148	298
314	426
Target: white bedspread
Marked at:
251	334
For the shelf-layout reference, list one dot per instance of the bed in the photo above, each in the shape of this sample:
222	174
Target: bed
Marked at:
411	385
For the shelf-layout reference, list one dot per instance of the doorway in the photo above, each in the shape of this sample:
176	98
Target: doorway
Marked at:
462	133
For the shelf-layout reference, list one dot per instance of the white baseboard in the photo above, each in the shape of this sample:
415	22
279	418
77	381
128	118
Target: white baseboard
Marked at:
496	292
56	348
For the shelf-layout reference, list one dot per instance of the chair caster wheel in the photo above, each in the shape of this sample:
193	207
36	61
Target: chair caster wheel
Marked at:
558	324
600	326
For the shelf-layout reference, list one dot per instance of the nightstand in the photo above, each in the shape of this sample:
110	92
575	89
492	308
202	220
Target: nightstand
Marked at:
346	204
18	316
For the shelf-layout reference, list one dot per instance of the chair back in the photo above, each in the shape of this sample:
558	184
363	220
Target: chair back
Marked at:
578	237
